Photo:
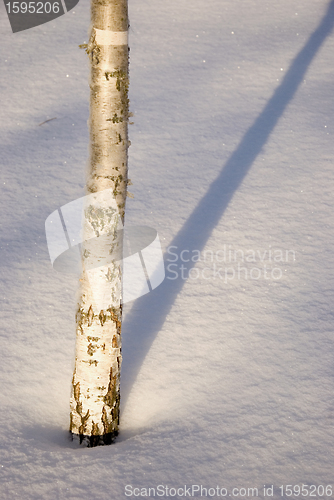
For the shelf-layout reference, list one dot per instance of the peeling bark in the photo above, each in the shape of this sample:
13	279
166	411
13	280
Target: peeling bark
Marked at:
95	396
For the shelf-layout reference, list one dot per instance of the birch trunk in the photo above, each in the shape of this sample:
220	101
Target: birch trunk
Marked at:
95	396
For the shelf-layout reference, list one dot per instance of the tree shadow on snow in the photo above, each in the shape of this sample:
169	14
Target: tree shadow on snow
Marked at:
149	312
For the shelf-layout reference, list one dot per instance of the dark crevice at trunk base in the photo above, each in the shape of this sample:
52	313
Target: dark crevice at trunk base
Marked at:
91	441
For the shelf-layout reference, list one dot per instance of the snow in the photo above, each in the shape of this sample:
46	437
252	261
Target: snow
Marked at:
225	382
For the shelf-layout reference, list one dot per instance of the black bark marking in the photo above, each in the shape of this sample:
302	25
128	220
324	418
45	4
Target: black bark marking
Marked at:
102	317
91	349
90	316
84	419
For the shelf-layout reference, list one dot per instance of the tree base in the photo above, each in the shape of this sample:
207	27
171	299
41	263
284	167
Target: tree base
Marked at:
92	441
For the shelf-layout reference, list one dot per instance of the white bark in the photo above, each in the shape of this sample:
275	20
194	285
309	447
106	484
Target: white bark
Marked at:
96	381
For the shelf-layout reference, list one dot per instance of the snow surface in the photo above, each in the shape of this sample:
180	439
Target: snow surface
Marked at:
225	382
